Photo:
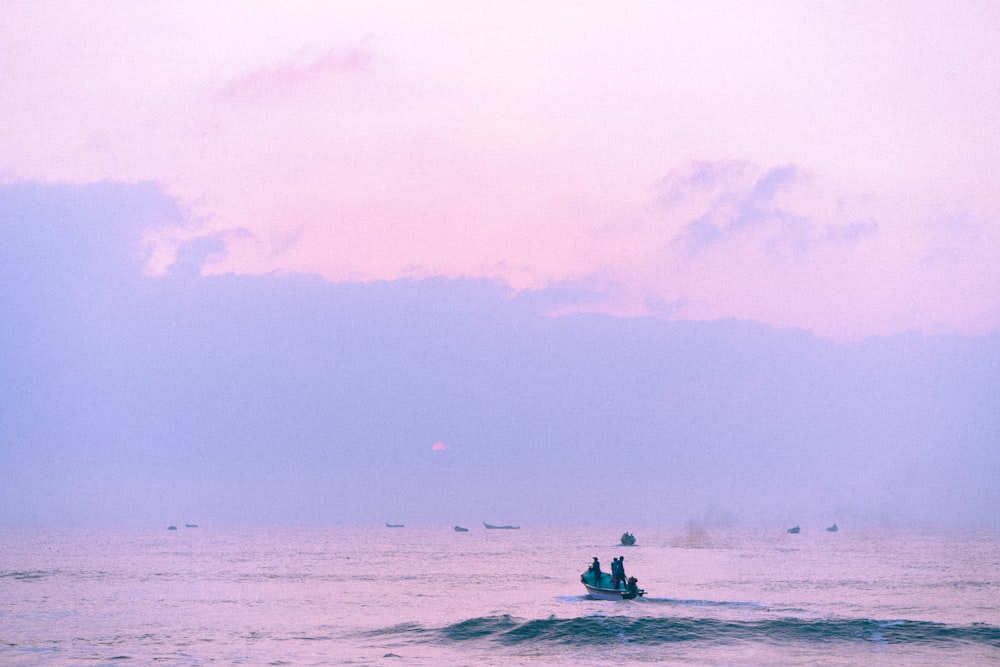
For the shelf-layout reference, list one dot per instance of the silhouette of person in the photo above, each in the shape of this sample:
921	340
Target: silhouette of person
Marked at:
596	569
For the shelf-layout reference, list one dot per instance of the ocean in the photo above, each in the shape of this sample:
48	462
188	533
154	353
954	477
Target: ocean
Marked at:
426	595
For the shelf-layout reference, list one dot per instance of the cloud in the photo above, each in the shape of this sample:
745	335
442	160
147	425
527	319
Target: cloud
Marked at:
850	232
738	203
302	71
84	234
778	209
192	255
454	149
776	244
773	180
292	399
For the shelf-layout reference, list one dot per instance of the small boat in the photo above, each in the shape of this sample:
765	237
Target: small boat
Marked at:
190	525
394	525
832	529
794	530
628	539
490	526
171	527
459	529
629	591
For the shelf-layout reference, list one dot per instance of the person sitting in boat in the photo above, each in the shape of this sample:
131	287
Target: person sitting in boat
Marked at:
633	586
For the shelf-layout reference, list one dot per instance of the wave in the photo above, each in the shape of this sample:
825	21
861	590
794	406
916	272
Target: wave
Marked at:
700	603
26	575
591	630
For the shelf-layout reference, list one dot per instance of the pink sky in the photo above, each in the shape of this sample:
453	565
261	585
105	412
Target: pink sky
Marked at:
829	166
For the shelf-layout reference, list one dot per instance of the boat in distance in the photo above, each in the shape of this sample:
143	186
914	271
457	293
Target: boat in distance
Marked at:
832	529
628	591
794	530
628	539
459	529
490	526
394	525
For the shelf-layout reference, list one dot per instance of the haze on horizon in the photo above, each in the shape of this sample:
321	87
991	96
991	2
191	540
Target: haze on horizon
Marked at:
291	399
318	263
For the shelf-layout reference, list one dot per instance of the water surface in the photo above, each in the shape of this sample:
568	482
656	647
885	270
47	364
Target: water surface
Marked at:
428	595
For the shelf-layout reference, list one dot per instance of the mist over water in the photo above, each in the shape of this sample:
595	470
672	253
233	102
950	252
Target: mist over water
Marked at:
130	399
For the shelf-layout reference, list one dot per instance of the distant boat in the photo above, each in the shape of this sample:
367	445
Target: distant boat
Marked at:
628	539
832	529
794	530
459	529
190	525
394	525
171	527
490	526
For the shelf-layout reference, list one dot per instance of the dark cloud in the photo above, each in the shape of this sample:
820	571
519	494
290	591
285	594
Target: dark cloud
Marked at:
291	399
194	254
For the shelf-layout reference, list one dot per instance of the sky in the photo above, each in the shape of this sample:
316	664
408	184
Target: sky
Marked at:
826	166
447	239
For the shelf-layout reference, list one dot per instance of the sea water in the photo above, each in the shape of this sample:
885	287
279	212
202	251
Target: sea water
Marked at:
426	595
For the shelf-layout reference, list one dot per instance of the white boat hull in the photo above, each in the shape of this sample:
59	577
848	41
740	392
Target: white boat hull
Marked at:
610	593
606	592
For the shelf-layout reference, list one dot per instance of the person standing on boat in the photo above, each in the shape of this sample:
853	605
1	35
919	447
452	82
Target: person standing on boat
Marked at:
595	567
621	570
615	573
